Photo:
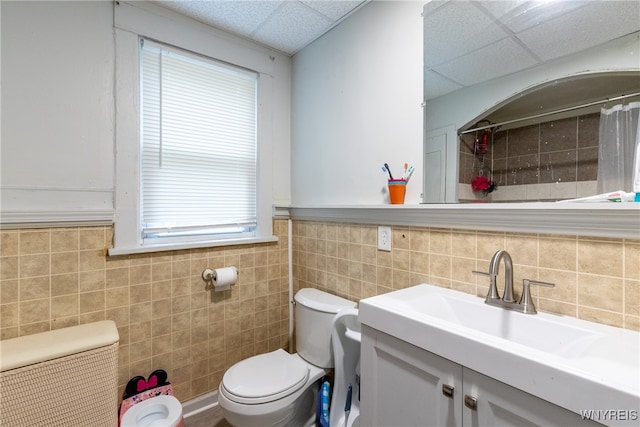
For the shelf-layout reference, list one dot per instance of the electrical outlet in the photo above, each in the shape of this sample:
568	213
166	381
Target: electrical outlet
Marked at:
384	238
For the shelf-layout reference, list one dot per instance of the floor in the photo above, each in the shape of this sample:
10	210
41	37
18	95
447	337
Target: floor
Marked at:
209	418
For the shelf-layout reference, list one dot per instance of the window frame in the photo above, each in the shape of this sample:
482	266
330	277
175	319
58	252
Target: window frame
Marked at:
130	24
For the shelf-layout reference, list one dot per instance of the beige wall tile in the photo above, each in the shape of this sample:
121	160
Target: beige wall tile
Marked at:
34	265
213	330
64	240
632	297
522	248
9	291
600	316
91	260
600	257
64	306
64	262
440	242
34	242
64	284
419	240
557	253
602	292
34	311
488	243
92	238
631	260
34	288
9	243
9	267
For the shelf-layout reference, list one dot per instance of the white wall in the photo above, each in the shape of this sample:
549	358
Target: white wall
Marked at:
357	94
57	136
57	106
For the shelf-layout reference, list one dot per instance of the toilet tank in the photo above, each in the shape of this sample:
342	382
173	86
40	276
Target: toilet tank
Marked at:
314	313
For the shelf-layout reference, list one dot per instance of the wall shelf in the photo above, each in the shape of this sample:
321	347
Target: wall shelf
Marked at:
614	220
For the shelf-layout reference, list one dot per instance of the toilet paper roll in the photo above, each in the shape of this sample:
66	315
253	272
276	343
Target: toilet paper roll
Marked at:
223	278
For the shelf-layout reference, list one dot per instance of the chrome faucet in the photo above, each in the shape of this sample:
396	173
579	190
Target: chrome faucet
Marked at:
494	270
525	305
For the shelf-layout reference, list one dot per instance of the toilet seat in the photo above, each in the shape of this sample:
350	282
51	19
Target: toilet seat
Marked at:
264	378
163	410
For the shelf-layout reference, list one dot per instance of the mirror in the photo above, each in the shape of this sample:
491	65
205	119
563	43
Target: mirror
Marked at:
516	154
490	63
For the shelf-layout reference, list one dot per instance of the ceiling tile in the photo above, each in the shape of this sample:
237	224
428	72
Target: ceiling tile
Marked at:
589	26
531	13
436	85
240	17
291	27
335	9
455	29
488	63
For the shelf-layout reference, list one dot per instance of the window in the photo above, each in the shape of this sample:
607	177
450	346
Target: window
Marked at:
198	136
194	124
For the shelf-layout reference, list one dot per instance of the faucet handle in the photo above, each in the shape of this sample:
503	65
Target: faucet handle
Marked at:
493	289
525	300
481	273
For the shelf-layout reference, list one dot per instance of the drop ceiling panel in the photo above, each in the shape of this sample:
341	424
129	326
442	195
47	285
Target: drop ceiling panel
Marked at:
239	17
586	27
456	29
436	85
292	24
528	14
334	10
488	63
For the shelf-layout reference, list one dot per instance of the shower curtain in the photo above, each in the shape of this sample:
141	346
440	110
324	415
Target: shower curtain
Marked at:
619	152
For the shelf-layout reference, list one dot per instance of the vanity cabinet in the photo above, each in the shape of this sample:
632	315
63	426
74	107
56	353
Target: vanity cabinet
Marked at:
404	385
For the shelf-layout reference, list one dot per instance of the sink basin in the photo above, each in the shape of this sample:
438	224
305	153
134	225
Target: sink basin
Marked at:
544	333
574	363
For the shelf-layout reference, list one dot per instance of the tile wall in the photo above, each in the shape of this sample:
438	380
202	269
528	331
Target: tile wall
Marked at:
557	152
596	279
52	278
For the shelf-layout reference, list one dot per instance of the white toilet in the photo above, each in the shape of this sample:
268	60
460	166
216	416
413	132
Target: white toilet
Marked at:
278	388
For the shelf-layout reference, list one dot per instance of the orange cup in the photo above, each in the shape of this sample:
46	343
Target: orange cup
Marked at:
397	189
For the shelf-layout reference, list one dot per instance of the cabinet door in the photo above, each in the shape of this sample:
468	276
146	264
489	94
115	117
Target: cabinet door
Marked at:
499	404
403	385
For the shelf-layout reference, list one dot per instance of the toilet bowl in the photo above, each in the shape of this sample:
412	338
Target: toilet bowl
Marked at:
278	388
163	410
272	389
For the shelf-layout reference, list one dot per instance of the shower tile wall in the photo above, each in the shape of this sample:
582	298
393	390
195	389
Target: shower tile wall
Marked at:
596	279
561	151
52	278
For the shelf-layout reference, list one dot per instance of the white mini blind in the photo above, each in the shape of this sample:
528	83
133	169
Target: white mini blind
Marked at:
199	146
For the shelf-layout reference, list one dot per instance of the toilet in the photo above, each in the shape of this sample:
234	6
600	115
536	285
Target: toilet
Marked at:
163	410
278	388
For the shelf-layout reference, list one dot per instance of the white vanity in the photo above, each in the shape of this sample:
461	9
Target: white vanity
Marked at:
437	357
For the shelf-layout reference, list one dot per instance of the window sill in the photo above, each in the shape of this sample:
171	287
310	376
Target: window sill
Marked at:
190	245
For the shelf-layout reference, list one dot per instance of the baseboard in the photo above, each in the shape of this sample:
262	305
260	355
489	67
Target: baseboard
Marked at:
200	404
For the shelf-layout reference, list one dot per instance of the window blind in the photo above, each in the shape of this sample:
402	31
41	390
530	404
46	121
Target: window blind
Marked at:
199	145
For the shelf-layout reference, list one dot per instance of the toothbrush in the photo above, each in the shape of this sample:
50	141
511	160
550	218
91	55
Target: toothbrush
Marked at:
408	173
388	170
347	406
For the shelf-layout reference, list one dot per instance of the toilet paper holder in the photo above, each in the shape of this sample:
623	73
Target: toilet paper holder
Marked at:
209	275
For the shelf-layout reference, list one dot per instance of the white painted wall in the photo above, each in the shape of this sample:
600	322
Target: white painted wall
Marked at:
57	106
57	136
357	94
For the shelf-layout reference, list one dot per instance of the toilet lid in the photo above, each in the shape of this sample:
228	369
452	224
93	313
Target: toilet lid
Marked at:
265	378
